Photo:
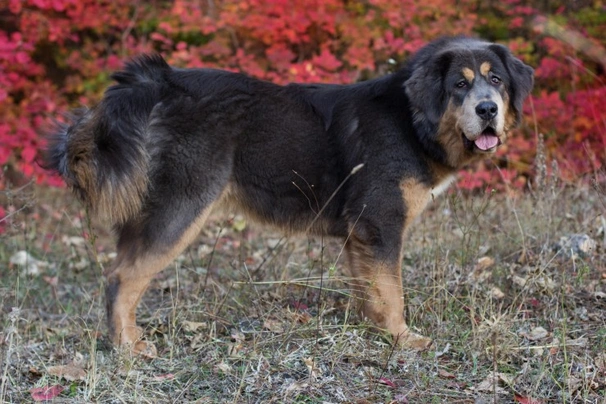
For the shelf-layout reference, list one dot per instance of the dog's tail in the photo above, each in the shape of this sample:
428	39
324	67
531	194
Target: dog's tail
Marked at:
102	154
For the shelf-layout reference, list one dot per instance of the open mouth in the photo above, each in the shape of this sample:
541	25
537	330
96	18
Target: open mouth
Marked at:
487	141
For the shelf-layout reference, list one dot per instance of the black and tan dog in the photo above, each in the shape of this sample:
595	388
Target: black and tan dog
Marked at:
360	161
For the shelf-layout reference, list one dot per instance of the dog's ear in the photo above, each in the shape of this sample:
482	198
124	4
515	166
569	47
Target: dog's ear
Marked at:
425	90
521	77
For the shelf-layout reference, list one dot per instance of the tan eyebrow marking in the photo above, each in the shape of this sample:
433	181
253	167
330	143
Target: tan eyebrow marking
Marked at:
485	68
468	74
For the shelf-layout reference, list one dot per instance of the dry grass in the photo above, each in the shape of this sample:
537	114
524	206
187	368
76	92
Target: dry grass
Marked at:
246	316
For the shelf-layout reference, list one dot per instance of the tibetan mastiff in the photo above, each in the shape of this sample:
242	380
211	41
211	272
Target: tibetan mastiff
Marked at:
360	162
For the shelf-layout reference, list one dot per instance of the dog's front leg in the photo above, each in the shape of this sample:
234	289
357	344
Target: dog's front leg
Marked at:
378	286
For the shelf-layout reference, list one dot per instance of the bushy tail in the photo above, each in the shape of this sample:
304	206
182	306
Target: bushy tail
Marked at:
102	153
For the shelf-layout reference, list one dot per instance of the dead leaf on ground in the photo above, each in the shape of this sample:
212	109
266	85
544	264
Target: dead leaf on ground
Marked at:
192	326
74	241
491	383
69	372
535	334
224	367
527	400
72	371
272	325
519	280
311	366
480	273
234	349
387	382
29	264
46	393
497	293
446	374
484	263
51	280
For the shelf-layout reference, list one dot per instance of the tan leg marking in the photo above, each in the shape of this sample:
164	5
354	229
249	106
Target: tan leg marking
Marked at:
128	279
378	286
416	196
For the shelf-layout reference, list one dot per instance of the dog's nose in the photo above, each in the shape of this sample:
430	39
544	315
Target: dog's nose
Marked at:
487	110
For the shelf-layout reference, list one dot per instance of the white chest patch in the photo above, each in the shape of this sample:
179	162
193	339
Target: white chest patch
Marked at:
442	186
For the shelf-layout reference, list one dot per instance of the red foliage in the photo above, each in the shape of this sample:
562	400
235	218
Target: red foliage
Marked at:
58	54
46	393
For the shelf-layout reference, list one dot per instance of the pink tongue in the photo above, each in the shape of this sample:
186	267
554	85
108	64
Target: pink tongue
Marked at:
485	142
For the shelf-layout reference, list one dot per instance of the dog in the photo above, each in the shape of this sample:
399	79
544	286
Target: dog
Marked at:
360	162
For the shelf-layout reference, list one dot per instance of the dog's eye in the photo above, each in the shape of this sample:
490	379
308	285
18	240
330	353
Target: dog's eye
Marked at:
495	80
461	84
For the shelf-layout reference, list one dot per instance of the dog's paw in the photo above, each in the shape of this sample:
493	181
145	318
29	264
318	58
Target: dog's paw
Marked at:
411	340
144	349
139	348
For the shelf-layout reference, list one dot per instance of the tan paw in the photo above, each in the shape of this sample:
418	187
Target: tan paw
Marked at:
145	349
411	340
140	348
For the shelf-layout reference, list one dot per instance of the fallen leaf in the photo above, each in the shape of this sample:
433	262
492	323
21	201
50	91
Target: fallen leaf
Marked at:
581	341
46	393
34	371
192	326
574	383
295	386
387	382
273	325
518	280
303	317
497	293
74	241
484	263
311	366
51	280
30	265
527	400
234	349
546	282
237	336
299	306
445	374
490	384
535	334
224	367
69	372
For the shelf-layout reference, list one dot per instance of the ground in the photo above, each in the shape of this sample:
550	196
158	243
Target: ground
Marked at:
510	285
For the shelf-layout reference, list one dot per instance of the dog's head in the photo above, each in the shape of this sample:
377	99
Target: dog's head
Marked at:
466	95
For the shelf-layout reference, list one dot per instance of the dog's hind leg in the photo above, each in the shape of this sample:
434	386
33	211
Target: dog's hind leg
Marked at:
140	258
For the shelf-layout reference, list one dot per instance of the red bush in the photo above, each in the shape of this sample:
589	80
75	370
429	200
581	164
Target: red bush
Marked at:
58	54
